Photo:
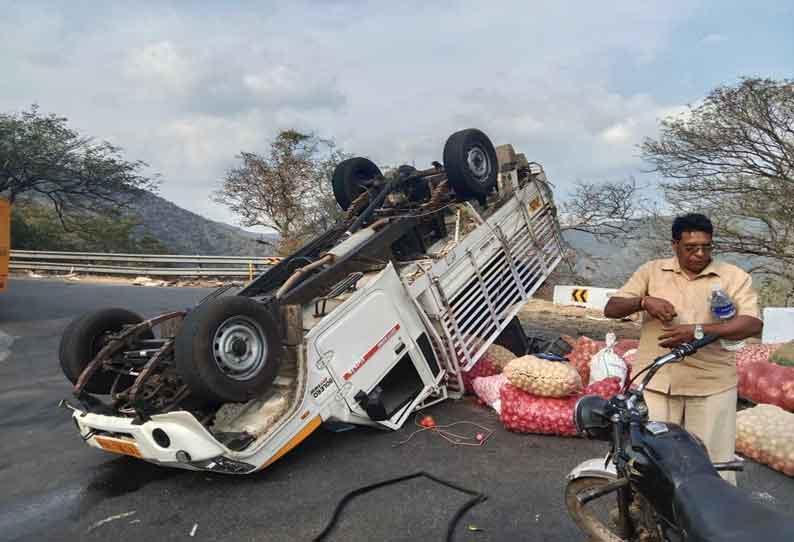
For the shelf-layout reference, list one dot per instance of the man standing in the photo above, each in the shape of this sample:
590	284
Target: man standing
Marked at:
675	294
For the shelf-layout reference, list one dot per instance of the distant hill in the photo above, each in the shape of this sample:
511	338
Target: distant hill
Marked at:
602	263
185	232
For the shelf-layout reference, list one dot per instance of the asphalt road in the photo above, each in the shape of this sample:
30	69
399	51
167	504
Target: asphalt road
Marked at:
53	487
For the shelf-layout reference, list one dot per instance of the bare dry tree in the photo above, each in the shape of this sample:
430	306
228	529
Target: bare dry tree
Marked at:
605	210
732	158
288	190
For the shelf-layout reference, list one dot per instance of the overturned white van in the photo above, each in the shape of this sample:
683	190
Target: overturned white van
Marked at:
365	324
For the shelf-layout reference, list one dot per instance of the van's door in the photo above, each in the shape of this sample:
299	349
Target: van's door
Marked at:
373	356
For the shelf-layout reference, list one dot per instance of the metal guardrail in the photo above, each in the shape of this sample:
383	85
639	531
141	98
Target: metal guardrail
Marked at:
141	264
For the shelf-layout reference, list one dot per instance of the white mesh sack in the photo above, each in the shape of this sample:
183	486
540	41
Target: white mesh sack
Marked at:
606	363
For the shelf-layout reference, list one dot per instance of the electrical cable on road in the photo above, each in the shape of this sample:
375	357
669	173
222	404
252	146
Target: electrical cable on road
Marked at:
476	499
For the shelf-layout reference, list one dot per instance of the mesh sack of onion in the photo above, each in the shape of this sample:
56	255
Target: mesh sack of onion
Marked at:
523	412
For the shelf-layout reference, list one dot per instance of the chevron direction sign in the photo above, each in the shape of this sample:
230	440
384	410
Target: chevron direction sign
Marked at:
579	295
583	296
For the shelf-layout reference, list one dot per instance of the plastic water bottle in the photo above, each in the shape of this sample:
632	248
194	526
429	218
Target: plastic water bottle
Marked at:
722	308
721	305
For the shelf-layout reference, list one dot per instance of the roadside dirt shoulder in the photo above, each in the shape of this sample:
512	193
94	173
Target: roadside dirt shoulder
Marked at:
575	321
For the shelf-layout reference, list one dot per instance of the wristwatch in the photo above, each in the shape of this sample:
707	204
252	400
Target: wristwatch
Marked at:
698	331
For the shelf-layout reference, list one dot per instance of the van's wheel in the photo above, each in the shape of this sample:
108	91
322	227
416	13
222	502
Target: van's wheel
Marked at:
85	336
470	163
228	350
349	179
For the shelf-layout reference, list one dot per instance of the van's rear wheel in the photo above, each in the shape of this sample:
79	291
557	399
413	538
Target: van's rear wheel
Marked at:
470	163
228	350
85	336
350	177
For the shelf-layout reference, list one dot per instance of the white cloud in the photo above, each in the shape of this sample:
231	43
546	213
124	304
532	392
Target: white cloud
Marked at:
206	81
620	132
160	64
289	86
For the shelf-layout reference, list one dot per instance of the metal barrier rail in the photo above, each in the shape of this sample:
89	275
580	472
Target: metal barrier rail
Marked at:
141	264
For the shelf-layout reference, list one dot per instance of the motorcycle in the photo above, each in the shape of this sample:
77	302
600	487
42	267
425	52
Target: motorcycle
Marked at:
666	486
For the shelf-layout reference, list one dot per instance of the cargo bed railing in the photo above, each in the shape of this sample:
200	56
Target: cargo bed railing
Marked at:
483	283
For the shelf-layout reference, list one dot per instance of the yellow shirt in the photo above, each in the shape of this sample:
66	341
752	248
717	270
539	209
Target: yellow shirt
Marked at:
712	369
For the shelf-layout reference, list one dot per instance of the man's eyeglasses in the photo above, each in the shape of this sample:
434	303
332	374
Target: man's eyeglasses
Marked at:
694	249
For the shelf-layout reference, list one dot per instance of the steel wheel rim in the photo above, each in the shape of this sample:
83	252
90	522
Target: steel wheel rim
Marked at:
478	163
239	348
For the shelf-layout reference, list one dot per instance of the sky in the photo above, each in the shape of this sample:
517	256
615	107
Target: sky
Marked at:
186	86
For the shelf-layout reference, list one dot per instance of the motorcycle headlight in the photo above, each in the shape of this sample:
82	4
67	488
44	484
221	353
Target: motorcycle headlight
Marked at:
590	418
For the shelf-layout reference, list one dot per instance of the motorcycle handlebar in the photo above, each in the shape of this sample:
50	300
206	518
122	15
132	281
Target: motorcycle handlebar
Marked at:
700	343
685	349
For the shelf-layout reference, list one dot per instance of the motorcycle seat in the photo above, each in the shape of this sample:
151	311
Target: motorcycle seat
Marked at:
710	509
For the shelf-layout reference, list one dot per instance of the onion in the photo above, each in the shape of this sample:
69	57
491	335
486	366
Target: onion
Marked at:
765	433
543	378
527	413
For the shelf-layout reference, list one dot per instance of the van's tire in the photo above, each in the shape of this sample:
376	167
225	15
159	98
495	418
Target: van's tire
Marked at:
348	178
470	163
228	350
83	338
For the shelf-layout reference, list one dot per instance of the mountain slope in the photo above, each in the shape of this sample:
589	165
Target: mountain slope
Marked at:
185	232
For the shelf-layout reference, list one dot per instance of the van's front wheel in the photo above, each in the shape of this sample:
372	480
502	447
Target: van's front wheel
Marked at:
228	350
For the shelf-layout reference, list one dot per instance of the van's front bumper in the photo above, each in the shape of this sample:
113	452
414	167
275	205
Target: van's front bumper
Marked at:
175	439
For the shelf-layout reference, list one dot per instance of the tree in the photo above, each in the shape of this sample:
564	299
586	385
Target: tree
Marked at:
41	155
732	158
603	223
288	190
604	210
